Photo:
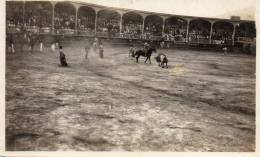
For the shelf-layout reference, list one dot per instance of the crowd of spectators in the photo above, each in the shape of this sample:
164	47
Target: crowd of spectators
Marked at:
14	16
86	23
202	33
108	26
32	18
245	33
64	20
37	21
37	18
175	32
132	29
221	35
14	22
152	29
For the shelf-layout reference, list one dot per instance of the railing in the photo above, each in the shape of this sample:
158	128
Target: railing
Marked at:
150	36
130	36
245	39
13	29
220	42
108	35
65	31
102	34
156	37
86	33
45	30
115	35
32	29
200	40
176	39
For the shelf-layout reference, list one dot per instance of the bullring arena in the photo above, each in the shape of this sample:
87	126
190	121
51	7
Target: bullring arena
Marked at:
204	100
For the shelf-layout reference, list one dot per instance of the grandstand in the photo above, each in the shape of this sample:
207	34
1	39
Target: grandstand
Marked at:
82	19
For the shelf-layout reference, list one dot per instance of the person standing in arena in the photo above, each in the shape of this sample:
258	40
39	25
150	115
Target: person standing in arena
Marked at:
162	42
11	44
87	48
224	49
101	50
53	47
32	41
41	44
63	61
131	51
95	43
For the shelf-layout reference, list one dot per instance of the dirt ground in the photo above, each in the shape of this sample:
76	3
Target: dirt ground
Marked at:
204	101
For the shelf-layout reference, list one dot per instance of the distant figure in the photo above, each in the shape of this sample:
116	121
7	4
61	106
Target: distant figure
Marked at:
57	45
95	44
101	50
41	44
63	61
132	50
224	49
162	44
53	47
168	45
32	41
11	44
87	48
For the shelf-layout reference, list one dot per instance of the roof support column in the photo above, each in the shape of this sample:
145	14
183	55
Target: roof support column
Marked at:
234	32
211	29
53	18
187	30
120	26
76	21
142	33
163	24
23	13
77	6
121	22
96	18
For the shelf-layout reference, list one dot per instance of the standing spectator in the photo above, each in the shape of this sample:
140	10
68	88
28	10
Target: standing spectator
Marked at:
41	44
63	61
87	48
11	44
101	50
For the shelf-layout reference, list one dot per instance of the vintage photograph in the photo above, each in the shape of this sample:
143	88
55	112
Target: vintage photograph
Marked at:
130	75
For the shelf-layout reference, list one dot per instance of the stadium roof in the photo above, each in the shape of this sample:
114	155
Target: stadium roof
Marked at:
220	9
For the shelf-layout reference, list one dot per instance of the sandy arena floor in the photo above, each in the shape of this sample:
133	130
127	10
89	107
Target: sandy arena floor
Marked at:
204	101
